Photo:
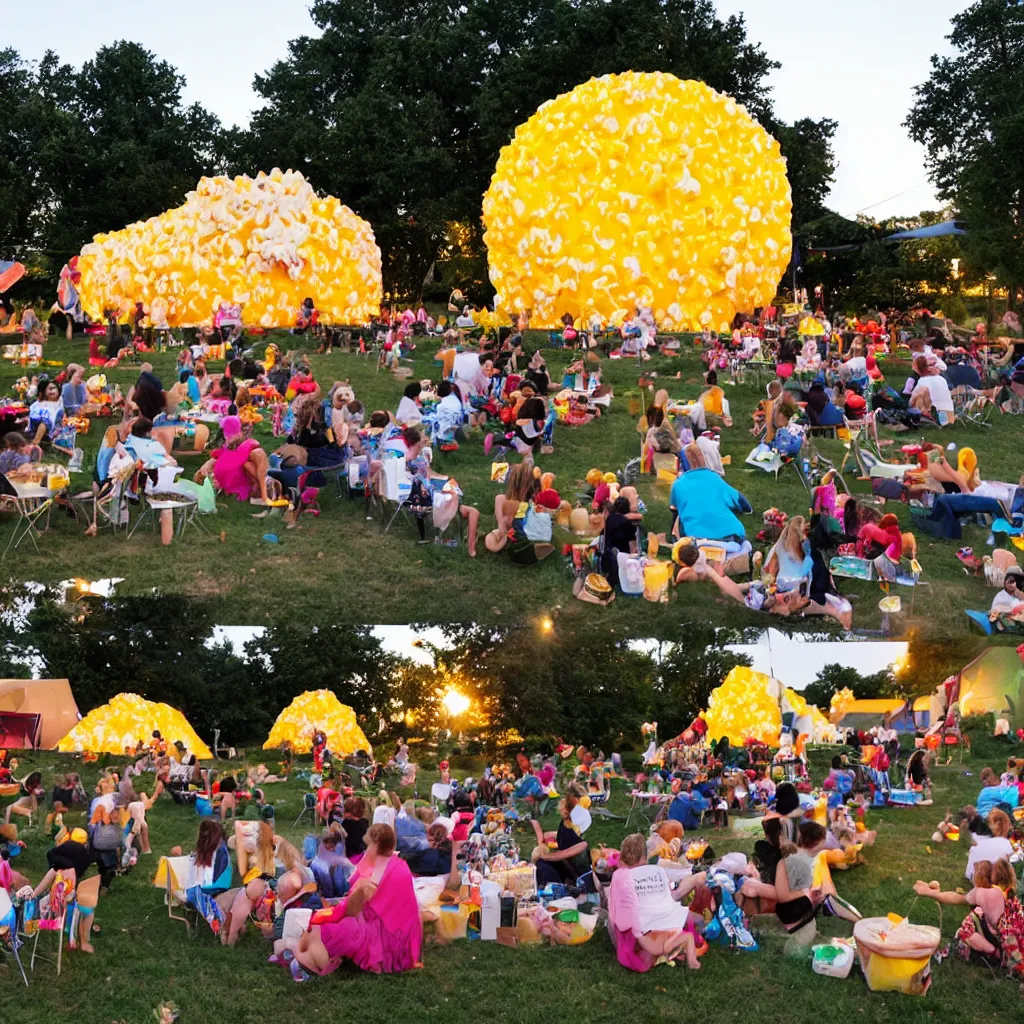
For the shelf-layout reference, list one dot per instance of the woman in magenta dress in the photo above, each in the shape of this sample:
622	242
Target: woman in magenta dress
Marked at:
377	926
239	467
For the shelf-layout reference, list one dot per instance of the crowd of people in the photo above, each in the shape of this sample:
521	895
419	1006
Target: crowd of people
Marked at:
350	892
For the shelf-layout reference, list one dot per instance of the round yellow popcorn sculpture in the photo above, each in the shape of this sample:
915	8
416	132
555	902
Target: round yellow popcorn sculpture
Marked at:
745	706
318	709
639	189
117	726
264	243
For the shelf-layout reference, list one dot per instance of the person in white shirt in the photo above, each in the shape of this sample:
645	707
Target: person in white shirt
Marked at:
931	392
1008	598
991	848
409	413
465	320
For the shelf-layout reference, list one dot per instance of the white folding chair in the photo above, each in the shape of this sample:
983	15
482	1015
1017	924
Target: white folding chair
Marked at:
439	793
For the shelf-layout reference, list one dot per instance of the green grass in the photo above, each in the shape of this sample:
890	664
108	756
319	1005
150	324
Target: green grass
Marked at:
143	959
360	575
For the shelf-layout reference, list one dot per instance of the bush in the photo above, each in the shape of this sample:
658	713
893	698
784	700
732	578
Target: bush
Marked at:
978	725
954	308
474	748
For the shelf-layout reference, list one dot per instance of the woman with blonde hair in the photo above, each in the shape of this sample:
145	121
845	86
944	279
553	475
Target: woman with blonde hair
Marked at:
789	560
521	485
255	846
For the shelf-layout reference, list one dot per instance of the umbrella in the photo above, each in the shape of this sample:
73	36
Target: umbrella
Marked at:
10	273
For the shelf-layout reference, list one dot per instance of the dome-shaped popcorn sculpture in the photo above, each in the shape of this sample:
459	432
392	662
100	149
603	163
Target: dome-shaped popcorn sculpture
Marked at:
745	706
264	243
318	709
119	725
639	189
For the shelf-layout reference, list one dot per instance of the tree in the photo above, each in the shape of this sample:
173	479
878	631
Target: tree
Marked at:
401	108
124	146
834	677
811	165
688	671
346	659
970	117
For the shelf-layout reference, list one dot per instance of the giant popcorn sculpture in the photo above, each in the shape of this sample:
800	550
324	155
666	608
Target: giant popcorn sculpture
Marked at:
265	243
745	706
643	190
318	709
119	725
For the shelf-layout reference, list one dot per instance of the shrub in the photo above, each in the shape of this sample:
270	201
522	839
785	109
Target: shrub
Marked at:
954	308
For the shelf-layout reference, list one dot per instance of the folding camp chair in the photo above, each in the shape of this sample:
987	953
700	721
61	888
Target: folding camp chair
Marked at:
53	915
10	939
972	406
33	505
439	794
171	873
308	808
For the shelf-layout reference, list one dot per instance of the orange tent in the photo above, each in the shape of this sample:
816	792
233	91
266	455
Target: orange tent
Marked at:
51	699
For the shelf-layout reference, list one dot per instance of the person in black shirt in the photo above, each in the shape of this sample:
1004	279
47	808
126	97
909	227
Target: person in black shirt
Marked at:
72	857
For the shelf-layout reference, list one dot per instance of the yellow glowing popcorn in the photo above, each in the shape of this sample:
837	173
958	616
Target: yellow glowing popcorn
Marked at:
119	725
842	701
264	243
639	189
318	709
745	706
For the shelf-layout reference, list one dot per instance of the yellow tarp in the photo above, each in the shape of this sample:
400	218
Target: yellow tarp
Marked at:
318	709
120	724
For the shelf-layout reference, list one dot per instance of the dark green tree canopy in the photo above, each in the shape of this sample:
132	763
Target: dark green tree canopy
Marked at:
970	117
834	677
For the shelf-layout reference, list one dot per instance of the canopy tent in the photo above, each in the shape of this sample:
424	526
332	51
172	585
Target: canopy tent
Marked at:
318	709
863	715
947	227
992	683
118	726
49	700
11	272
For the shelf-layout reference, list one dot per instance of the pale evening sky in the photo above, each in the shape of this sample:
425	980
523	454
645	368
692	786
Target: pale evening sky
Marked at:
854	62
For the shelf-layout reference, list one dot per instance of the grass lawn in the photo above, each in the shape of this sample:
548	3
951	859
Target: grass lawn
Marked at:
143	959
340	565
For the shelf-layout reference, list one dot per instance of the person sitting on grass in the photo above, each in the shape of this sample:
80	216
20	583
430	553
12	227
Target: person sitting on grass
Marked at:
798	902
569	863
240	467
31	794
991	930
18	454
376	926
645	920
46	413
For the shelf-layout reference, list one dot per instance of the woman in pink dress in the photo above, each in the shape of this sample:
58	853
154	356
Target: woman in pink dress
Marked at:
239	467
377	926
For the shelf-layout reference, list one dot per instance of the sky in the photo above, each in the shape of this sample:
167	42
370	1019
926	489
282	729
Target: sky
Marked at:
856	62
